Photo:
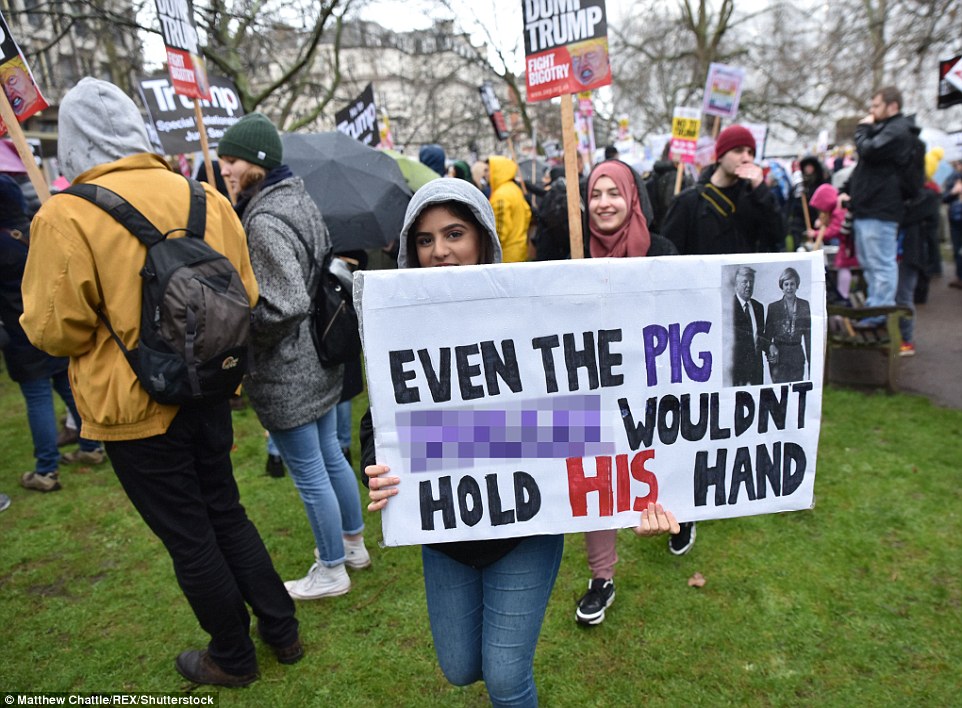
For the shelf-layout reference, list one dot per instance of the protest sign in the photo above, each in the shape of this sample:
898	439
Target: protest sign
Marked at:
188	73
174	119
19	86
359	119
685	129
565	46
492	106
723	90
950	82
585	125
561	397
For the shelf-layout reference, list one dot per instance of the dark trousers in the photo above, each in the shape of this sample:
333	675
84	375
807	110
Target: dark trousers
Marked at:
182	483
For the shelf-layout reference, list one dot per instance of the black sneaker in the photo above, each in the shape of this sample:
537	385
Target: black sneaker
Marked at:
592	605
275	466
681	542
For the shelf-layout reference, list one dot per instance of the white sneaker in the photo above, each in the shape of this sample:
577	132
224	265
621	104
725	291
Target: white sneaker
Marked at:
356	555
319	582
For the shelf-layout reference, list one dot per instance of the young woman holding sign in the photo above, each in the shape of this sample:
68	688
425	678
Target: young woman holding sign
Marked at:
486	599
617	226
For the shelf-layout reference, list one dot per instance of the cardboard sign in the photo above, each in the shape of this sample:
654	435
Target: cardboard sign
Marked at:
565	46
685	129
188	72
359	120
173	122
558	397
19	86
723	90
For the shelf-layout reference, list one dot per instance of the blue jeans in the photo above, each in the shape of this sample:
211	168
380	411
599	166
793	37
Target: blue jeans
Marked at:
905	295
955	233
326	483
272	447
344	423
486	622
38	395
876	245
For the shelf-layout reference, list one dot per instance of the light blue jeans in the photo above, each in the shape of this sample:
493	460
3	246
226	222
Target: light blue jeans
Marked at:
876	244
486	622
325	481
38	395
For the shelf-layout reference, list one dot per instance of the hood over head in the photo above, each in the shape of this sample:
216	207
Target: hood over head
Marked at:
825	198
98	124
433	156
449	190
501	170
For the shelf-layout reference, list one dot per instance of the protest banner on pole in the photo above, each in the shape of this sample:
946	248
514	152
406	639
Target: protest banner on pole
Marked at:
723	90
188	72
950	82
492	106
685	129
21	98
173	118
566	52
561	397
359	119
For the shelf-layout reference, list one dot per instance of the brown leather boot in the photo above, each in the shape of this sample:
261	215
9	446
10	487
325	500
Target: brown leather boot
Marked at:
197	666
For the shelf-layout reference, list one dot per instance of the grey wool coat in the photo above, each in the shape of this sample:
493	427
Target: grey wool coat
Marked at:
287	387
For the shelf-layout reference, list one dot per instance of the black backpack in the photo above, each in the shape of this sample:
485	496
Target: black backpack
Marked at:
195	314
334	324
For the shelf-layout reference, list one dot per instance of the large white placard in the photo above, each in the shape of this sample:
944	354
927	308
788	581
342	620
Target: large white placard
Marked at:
558	397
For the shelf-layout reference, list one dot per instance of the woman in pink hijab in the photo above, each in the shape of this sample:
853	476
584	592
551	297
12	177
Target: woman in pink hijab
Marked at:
617	215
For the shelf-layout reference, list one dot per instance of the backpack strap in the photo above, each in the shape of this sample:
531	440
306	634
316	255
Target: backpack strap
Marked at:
121	210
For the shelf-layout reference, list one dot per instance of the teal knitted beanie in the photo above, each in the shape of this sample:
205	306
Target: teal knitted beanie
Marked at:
255	139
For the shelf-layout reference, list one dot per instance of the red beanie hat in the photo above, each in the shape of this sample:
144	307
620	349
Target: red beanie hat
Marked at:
732	137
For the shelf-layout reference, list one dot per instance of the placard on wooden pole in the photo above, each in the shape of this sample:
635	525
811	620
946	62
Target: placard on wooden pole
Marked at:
23	148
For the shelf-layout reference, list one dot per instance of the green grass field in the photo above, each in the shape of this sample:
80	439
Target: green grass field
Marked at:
856	602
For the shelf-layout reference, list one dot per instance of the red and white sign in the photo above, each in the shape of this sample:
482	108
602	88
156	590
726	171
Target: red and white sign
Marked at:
565	46
188	72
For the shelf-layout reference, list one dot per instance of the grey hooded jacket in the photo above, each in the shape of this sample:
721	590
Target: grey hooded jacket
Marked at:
288	387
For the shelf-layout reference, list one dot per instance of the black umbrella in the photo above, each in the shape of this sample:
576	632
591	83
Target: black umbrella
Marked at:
361	192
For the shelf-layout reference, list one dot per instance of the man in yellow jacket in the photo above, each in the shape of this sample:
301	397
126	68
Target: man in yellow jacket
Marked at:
512	215
173	462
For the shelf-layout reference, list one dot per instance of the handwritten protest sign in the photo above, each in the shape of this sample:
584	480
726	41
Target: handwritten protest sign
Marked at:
685	129
188	72
359	119
17	80
723	90
174	120
561	397
565	46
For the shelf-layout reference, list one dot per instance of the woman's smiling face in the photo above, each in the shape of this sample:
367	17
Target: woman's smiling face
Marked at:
444	239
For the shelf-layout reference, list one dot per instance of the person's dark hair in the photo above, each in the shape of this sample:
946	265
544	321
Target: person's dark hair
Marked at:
610	152
463	212
890	94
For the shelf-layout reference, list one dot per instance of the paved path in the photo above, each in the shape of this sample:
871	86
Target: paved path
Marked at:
936	369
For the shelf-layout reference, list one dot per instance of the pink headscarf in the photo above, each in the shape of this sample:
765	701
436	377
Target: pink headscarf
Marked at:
632	237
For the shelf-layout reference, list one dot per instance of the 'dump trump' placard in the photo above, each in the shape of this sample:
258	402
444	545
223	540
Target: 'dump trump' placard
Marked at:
561	397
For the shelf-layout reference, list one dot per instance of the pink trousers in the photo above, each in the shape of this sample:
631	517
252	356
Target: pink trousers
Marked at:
602	553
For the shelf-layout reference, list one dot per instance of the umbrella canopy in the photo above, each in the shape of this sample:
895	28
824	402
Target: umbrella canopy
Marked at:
524	170
361	193
416	173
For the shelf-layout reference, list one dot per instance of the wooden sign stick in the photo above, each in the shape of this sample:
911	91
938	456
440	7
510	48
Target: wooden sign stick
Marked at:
570	143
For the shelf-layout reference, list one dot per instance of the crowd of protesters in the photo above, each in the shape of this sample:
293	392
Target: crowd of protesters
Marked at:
65	276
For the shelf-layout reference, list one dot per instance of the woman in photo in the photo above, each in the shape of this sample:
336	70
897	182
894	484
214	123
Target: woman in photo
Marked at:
293	395
788	328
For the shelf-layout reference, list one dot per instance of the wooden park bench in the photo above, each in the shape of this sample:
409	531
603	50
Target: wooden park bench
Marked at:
845	334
